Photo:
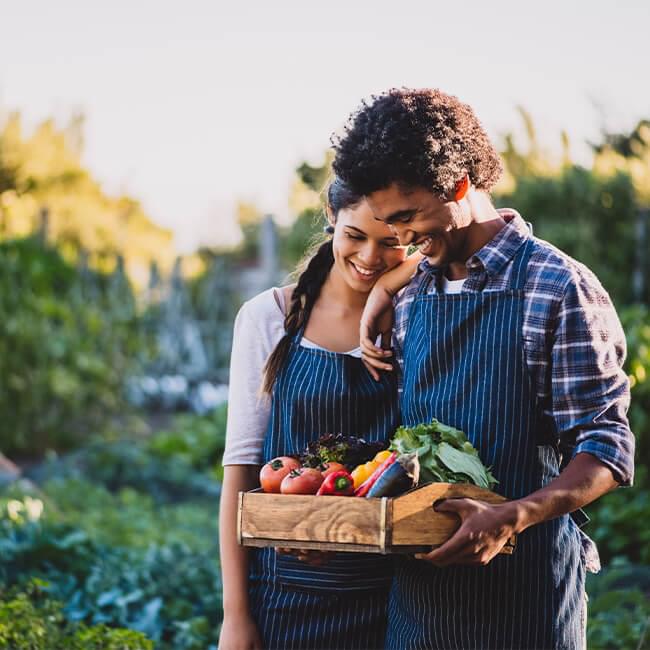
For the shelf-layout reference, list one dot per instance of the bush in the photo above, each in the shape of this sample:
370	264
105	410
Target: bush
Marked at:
68	339
171	593
129	464
198	440
636	323
125	518
591	218
619	523
29	620
619	608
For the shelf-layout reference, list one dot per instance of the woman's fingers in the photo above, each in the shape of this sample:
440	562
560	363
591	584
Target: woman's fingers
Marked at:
374	364
282	550
371	350
314	558
367	337
375	358
373	373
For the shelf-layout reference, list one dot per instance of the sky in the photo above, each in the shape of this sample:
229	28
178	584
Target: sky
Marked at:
192	106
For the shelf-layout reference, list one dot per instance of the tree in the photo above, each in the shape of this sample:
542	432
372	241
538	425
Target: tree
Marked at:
44	168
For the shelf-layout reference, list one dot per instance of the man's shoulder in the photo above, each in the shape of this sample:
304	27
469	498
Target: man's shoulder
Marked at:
558	272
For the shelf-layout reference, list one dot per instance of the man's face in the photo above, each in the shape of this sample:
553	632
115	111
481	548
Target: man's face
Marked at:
419	218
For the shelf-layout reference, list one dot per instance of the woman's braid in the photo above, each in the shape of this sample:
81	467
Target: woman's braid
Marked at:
303	299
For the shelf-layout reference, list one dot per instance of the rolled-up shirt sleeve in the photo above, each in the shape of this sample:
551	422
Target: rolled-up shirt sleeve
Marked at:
257	330
590	389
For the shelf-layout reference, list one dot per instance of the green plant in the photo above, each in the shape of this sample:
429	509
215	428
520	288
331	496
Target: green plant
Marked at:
68	339
619	608
30	620
636	323
126	517
198	440
584	214
129	464
619	523
171	593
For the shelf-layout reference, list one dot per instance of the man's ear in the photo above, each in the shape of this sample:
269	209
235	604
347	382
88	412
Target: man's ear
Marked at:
461	189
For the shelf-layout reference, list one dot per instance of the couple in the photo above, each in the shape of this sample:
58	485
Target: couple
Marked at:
497	333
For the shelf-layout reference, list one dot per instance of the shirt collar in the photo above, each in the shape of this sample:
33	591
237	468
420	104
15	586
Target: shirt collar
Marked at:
500	250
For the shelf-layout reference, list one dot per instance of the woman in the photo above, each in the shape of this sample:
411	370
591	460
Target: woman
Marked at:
304	339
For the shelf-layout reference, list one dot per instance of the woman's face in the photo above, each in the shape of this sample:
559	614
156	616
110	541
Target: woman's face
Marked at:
364	248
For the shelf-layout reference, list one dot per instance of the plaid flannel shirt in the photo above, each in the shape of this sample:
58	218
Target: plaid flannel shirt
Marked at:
574	343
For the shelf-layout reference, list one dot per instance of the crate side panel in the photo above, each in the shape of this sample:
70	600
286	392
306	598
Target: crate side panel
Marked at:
310	518
415	522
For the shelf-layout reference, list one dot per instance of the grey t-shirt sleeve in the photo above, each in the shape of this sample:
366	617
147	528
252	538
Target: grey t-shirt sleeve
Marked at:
258	328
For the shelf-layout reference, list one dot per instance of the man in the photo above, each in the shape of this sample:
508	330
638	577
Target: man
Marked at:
507	338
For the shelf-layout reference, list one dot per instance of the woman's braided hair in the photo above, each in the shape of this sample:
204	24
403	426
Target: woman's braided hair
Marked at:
309	285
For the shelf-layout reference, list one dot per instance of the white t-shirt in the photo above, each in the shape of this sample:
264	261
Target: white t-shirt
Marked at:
452	286
259	326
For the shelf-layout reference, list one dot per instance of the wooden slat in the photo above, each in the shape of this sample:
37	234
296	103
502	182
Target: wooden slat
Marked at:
316	546
279	517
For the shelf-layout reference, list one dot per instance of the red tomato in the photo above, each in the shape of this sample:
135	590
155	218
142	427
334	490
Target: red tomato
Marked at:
305	480
332	467
274	471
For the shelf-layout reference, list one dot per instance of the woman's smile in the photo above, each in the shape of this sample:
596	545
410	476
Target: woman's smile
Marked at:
365	273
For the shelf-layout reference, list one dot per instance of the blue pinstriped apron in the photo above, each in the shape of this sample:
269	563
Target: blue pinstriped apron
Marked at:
341	604
464	364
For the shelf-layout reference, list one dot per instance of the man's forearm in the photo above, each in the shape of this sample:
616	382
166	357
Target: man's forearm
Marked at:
584	480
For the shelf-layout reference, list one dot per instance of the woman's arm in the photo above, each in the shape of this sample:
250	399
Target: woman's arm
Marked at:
395	279
258	328
377	317
238	631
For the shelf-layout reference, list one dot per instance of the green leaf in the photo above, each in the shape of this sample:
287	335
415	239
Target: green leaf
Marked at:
463	463
444	454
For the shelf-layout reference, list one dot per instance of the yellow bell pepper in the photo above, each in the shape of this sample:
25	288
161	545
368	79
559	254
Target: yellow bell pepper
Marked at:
362	472
382	456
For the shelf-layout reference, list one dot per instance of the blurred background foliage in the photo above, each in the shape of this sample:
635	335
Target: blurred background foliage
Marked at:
68	338
44	168
108	524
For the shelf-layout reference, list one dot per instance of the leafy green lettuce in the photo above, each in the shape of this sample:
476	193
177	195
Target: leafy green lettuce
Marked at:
444	454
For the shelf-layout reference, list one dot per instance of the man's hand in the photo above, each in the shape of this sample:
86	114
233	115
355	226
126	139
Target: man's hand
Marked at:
483	532
485	528
377	318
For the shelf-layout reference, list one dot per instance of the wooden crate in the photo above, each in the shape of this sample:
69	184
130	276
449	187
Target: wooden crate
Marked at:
404	524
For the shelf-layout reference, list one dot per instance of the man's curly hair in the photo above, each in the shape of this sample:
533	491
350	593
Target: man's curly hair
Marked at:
416	138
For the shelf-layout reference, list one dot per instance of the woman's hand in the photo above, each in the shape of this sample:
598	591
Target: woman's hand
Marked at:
313	558
377	318
239	633
484	531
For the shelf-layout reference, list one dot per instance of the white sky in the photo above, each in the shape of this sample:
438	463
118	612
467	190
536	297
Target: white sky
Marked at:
191	105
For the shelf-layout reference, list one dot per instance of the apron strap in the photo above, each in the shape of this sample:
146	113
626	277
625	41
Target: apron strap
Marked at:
520	269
